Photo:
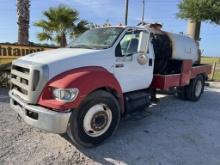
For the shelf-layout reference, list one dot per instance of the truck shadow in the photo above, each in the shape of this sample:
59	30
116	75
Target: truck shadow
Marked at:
158	135
4	98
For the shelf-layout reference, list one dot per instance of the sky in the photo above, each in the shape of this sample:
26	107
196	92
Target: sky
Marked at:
98	11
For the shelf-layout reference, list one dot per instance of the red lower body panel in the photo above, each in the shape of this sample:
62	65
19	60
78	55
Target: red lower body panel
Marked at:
165	81
174	80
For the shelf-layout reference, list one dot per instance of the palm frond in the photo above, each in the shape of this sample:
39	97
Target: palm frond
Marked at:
44	36
45	25
81	27
60	20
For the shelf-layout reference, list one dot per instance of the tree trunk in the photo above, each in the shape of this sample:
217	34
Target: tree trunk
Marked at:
193	30
23	14
63	42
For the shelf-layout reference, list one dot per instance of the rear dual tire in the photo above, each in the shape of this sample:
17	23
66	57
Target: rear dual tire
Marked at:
95	120
193	91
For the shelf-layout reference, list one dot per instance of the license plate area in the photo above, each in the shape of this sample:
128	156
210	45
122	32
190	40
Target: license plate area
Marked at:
30	114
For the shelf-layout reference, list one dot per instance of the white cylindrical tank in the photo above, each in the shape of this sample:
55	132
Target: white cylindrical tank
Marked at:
184	47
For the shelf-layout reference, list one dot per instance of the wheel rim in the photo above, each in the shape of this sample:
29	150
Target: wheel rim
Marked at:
198	88
97	120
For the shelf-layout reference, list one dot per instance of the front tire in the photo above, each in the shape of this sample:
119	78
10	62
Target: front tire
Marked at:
95	120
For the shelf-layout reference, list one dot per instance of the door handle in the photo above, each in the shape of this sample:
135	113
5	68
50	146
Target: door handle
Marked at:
150	62
119	65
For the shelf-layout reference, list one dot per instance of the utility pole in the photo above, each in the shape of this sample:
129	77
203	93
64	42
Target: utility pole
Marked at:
126	12
143	11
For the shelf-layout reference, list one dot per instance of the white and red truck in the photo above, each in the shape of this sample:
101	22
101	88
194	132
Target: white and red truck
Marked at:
83	90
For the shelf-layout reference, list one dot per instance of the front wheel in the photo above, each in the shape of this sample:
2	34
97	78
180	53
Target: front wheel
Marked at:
95	120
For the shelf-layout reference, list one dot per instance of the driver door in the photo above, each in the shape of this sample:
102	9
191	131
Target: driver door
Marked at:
129	72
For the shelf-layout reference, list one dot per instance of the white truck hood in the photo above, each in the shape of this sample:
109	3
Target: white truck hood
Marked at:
64	59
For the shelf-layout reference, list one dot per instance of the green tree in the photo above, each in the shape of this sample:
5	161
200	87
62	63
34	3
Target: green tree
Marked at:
59	23
81	27
197	11
23	14
200	10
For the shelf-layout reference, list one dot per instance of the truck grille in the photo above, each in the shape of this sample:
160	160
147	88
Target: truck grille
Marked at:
24	81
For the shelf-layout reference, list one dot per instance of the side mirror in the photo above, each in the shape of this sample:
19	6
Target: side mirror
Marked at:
143	42
142	48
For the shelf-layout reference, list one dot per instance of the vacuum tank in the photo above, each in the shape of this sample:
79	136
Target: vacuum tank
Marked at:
170	47
184	47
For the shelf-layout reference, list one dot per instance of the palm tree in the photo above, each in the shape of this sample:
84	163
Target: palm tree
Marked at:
81	27
59	23
23	14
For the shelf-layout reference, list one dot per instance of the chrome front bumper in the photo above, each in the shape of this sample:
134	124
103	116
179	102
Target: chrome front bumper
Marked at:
40	117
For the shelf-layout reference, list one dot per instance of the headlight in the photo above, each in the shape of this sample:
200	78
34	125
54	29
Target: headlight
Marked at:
66	95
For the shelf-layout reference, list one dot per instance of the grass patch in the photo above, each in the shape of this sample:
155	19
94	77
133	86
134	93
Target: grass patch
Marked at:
217	75
212	60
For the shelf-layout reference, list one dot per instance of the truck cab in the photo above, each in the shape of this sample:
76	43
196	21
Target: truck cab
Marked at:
84	89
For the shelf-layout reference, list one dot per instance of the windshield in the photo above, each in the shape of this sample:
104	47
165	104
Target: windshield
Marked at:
100	38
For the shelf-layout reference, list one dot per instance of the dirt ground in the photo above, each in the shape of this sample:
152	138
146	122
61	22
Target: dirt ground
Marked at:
174	132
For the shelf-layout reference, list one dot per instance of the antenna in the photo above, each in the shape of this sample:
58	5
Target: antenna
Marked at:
143	12
126	12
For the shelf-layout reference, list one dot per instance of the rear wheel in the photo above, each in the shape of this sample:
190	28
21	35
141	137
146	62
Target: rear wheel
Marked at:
95	120
195	88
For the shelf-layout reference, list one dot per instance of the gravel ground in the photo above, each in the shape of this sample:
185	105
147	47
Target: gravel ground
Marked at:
173	132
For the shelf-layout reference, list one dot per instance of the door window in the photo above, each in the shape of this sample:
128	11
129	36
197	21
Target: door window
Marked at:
129	43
